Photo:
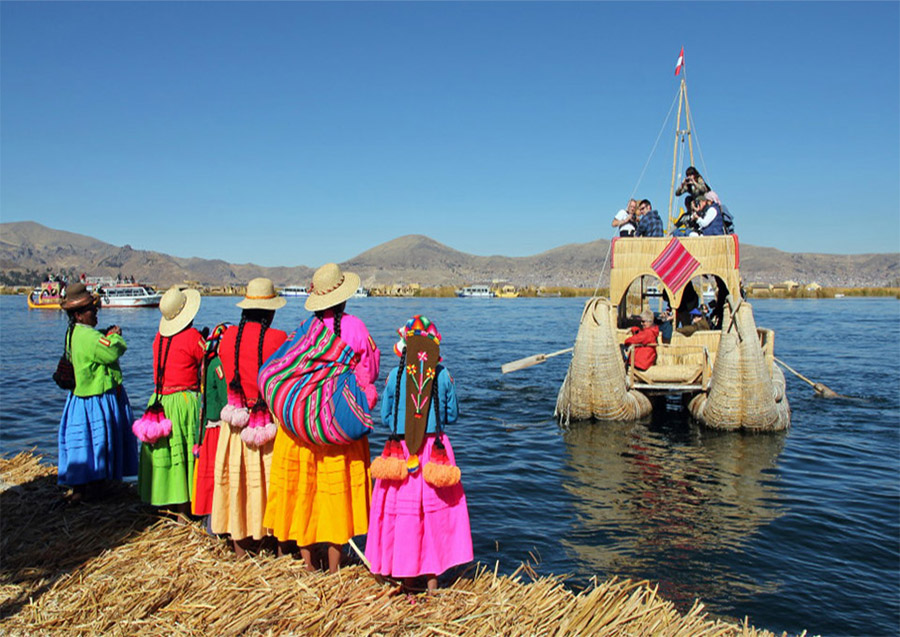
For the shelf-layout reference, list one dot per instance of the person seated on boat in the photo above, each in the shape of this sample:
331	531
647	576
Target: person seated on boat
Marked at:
665	322
698	322
707	217
685	223
695	186
649	223
624	219
643	340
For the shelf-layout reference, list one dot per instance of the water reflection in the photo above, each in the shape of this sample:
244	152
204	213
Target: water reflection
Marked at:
670	503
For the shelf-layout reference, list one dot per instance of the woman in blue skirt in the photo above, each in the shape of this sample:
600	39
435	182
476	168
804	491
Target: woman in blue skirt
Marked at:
96	443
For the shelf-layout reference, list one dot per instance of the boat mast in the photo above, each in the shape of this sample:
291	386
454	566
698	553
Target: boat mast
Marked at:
681	134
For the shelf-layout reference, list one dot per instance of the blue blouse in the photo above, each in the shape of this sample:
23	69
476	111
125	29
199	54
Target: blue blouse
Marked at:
449	407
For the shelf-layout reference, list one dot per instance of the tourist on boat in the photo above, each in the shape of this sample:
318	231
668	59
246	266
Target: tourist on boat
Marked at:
244	451
169	428
698	322
649	223
214	397
696	187
707	217
319	490
643	339
419	522
624	219
95	439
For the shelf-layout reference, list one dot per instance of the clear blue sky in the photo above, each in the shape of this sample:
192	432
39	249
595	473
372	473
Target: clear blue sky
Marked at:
295	133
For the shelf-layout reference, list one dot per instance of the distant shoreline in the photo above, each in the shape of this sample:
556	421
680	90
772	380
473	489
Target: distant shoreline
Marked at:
569	292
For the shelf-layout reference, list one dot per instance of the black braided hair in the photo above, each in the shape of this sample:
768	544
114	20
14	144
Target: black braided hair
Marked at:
235	383
397	388
435	400
338	311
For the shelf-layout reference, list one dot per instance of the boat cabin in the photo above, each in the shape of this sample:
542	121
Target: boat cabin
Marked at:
681	274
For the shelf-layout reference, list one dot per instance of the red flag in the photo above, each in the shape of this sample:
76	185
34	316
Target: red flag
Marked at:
680	62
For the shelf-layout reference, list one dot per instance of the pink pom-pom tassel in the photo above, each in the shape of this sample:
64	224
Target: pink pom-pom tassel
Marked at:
266	433
227	413
165	428
241	417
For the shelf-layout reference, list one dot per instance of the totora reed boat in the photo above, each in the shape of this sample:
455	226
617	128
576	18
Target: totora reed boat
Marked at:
724	371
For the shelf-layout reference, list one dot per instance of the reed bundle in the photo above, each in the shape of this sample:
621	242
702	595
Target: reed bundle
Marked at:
113	567
595	385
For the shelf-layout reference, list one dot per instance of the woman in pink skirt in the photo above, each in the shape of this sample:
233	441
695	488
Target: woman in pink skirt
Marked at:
419	521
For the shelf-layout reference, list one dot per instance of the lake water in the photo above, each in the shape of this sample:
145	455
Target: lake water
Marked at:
799	530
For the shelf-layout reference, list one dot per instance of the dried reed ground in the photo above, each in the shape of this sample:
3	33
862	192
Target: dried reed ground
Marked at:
113	567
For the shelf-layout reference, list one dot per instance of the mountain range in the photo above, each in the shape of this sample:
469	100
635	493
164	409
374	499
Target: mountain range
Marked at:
27	246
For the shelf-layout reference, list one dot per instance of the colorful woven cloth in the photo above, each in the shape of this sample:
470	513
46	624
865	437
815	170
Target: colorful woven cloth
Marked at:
311	389
675	265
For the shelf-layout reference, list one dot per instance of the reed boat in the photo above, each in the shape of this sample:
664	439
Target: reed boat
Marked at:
47	296
507	292
725	376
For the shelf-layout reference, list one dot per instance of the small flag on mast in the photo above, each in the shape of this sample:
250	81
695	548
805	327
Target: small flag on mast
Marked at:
680	62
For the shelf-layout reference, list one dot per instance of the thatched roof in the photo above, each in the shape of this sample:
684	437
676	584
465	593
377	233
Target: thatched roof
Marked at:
115	567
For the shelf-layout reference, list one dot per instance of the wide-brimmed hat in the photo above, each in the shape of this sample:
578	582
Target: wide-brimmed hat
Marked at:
330	286
178	308
77	297
261	295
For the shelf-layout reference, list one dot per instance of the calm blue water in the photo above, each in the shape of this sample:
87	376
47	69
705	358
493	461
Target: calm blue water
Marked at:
797	531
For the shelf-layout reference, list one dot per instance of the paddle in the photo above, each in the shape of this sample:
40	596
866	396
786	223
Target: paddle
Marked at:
530	361
821	389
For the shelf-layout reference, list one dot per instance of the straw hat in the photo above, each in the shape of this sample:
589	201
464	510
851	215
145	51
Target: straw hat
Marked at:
78	297
261	295
178	308
330	287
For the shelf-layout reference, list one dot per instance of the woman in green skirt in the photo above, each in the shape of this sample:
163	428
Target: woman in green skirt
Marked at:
170	427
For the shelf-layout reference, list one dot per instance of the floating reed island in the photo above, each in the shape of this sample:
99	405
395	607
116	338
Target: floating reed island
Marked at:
114	567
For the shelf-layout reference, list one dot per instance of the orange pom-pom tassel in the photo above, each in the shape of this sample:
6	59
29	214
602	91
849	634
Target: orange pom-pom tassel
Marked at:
441	475
388	468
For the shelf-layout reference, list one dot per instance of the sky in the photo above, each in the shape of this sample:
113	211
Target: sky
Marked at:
298	133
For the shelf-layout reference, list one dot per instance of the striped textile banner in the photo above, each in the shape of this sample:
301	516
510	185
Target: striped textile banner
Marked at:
675	265
311	389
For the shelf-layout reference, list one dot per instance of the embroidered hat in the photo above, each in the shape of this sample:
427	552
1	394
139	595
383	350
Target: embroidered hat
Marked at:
417	325
330	286
261	295
178	308
78	297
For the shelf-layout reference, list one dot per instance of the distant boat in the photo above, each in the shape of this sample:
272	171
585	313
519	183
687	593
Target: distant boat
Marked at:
709	294
475	291
47	296
508	292
295	290
839	296
118	295
361	292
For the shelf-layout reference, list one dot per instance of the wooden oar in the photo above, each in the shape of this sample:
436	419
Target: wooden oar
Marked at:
530	361
821	389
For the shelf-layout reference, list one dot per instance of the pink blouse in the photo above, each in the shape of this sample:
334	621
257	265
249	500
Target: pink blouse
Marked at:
355	334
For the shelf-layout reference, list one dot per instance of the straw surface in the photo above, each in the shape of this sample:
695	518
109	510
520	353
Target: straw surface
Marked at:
112	567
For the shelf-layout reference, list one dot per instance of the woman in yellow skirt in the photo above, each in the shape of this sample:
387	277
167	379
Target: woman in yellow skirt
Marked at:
320	493
244	449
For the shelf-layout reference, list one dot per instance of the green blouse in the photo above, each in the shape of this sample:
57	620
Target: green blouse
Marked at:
95	358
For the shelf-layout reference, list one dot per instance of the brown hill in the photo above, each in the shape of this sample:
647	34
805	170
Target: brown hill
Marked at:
31	250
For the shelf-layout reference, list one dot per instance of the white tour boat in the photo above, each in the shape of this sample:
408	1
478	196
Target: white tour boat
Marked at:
295	290
476	291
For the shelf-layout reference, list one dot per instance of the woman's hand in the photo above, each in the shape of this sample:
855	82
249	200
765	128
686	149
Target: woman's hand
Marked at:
115	329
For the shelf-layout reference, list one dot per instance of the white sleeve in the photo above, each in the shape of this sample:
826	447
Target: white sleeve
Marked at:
707	219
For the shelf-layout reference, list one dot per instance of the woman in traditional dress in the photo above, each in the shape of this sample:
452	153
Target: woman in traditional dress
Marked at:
171	425
95	438
320	493
214	396
245	445
419	524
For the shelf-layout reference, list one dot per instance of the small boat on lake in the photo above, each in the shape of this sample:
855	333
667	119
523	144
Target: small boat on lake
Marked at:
475	291
118	294
723	371
295	290
507	292
360	293
47	296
